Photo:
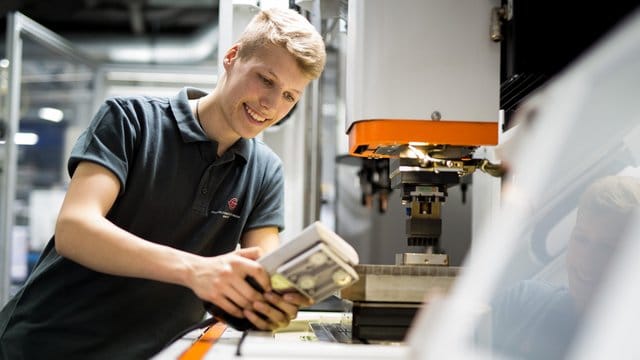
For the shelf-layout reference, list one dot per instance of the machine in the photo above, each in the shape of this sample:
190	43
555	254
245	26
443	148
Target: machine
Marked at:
424	170
424	110
565	147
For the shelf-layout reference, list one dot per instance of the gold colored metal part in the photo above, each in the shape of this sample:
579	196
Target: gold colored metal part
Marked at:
279	282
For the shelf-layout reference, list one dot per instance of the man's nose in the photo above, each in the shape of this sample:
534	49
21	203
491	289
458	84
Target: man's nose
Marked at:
269	100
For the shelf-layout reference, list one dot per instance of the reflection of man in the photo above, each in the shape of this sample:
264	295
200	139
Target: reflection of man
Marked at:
537	320
603	213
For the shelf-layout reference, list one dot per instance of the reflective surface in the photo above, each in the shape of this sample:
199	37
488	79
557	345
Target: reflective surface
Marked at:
569	217
536	311
576	216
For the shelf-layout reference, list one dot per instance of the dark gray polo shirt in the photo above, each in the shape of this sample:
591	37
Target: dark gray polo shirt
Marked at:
174	191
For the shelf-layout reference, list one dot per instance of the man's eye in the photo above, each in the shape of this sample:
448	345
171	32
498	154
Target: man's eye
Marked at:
289	97
265	80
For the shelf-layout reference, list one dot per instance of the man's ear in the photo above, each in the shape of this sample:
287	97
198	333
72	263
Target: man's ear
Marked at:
231	55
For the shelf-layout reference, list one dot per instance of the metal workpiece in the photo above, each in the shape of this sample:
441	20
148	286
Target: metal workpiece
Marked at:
424	173
424	231
416	165
423	224
386	298
399	283
382	322
374	269
422	259
416	175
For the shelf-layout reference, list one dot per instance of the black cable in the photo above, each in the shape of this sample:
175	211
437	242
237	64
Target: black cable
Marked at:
244	335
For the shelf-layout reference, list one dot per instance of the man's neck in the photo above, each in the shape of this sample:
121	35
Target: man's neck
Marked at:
204	110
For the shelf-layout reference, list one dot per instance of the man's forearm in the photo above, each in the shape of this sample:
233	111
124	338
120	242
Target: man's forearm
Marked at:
102	246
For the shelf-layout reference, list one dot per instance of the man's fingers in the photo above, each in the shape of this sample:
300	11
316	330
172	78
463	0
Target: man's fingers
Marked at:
275	315
242	294
258	321
290	310
245	266
228	306
248	292
297	299
266	317
259	277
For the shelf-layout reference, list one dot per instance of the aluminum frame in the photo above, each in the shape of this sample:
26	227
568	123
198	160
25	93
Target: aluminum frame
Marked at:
20	26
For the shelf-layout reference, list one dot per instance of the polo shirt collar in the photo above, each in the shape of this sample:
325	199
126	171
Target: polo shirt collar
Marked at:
190	129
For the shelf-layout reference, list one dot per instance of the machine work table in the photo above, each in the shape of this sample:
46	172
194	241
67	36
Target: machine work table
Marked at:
312	335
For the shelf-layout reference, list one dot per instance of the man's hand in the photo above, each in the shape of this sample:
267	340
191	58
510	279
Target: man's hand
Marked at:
279	310
221	280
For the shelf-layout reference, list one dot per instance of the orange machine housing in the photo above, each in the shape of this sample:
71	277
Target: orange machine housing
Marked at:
367	136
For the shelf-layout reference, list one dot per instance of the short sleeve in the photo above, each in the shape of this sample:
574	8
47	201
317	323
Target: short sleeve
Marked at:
269	207
109	140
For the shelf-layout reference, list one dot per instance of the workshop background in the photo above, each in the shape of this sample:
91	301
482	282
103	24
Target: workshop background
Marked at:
155	47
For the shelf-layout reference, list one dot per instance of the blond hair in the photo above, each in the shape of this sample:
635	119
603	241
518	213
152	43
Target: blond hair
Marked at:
290	30
615	195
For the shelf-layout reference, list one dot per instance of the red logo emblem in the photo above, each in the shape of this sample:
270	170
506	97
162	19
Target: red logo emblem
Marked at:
232	203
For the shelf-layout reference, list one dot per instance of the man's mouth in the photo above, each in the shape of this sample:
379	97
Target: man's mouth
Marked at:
255	116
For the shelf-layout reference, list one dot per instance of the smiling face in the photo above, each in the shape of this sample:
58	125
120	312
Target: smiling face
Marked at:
605	210
258	91
593	242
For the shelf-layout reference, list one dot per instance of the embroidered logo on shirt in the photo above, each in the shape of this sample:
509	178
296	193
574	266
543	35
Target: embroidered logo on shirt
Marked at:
225	214
232	203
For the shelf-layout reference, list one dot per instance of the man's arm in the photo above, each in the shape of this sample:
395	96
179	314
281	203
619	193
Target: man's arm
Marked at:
86	236
265	238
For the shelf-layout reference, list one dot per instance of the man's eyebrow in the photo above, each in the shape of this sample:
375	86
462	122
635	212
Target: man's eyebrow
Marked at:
277	78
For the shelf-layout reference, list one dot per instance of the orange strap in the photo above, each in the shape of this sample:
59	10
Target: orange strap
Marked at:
201	346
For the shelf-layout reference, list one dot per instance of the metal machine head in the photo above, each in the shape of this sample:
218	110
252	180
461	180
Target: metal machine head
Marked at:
424	171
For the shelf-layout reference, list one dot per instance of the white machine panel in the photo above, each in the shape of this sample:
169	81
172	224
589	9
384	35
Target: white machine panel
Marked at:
409	58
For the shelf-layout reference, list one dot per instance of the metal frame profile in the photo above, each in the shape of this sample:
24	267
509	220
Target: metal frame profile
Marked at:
19	25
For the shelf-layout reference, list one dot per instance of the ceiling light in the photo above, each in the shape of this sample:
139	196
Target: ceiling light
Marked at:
23	138
51	114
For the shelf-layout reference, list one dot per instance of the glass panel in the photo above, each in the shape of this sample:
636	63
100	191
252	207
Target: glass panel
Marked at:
577	188
561	257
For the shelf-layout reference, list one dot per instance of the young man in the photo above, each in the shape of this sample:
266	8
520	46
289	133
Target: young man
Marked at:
161	193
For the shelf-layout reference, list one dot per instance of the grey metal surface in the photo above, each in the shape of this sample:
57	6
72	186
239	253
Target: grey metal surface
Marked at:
399	283
407	270
422	259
